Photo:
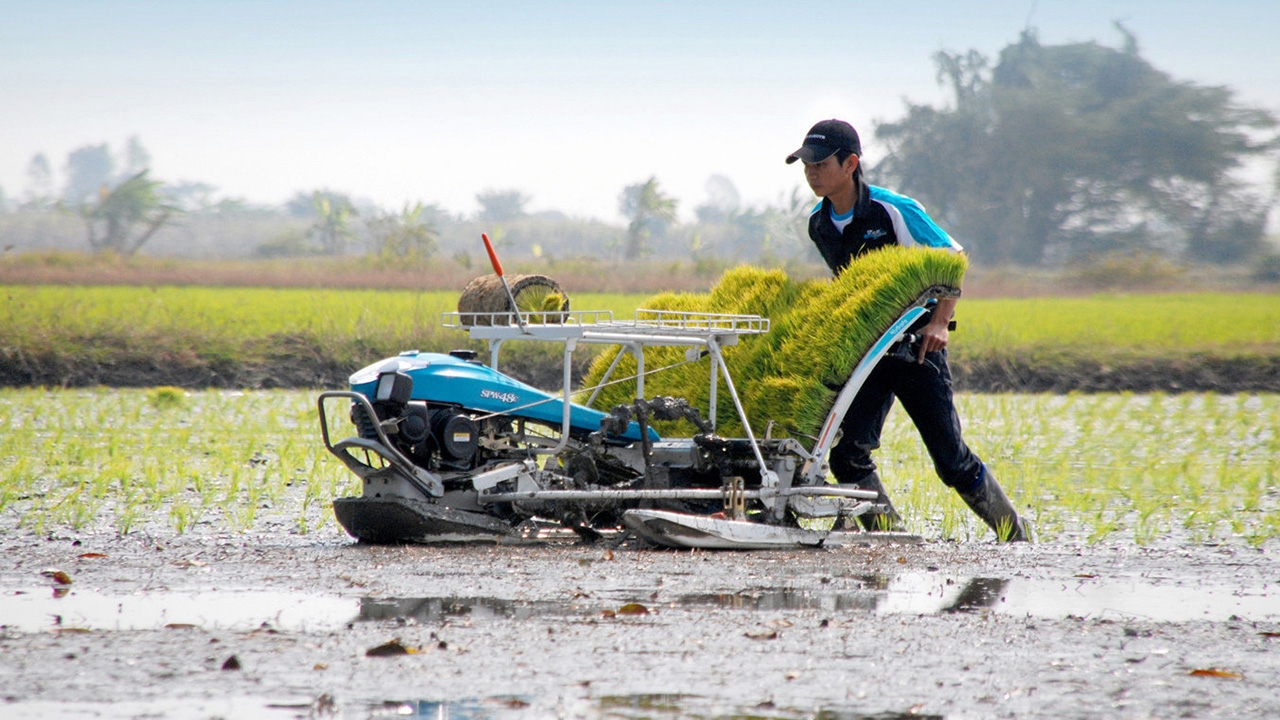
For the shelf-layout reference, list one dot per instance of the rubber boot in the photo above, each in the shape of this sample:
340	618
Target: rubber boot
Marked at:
992	505
890	520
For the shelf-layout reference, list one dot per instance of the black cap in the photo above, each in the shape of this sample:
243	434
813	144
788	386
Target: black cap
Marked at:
824	139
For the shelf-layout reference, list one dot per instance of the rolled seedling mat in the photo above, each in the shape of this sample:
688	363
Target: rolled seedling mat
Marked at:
539	296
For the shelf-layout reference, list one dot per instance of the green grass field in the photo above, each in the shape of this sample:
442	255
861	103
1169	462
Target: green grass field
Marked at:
362	325
1177	325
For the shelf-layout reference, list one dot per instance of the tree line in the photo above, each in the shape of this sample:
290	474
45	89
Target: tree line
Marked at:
1058	152
1047	156
129	208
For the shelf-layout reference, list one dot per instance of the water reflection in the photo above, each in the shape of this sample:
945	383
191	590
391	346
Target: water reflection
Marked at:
873	593
622	707
786	599
974	595
435	609
31	609
494	708
978	594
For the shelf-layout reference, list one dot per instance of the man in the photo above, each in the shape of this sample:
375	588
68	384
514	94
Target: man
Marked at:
855	218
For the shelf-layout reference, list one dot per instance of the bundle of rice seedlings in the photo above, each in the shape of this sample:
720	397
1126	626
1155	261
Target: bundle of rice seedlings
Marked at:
534	294
820	330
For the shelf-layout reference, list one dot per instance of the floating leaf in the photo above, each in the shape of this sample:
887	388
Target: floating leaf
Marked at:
390	649
762	634
1215	672
57	576
180	626
633	609
92	555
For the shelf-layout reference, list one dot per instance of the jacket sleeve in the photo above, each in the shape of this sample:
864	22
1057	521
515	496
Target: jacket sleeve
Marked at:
911	223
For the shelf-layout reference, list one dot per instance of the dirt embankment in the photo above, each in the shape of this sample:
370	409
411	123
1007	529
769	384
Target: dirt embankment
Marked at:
311	368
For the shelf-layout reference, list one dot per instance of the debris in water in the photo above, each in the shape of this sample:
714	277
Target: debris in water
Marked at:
232	663
57	576
1216	673
390	649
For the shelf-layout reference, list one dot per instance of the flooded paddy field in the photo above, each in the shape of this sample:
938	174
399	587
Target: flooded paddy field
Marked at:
172	556
274	624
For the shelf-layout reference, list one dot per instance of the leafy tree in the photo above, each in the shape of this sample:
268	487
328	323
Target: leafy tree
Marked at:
126	216
501	205
89	169
723	200
302	205
407	235
772	234
136	157
1062	151
39	182
649	210
191	196
332	228
288	243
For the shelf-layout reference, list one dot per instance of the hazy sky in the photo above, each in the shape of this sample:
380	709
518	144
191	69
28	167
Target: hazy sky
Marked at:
567	102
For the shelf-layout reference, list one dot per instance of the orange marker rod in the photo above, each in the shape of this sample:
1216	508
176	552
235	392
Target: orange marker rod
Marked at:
493	256
497	268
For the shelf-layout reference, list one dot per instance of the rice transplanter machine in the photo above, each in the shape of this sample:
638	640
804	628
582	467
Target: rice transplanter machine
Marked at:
450	449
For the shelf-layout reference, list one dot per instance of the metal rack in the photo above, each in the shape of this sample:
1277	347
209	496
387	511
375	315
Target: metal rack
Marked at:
702	333
580	323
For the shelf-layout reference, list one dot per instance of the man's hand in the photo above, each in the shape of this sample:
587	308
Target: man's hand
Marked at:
935	335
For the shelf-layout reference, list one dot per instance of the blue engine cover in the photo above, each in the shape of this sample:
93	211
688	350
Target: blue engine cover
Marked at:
439	378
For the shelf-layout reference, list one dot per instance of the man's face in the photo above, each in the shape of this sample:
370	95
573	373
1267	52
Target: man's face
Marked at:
830	177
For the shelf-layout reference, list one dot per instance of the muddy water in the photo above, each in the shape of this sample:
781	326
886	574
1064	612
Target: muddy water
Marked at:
912	593
278	625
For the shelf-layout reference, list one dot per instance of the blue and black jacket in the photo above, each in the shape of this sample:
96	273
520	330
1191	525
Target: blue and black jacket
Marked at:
880	218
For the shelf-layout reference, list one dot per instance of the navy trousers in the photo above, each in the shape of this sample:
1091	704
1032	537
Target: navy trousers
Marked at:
925	393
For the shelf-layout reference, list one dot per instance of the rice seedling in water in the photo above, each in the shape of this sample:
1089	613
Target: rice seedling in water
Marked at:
1087	468
119	459
1091	468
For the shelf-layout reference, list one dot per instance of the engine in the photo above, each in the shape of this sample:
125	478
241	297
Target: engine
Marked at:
442	437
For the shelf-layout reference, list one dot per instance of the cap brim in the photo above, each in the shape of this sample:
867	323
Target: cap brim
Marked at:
811	153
